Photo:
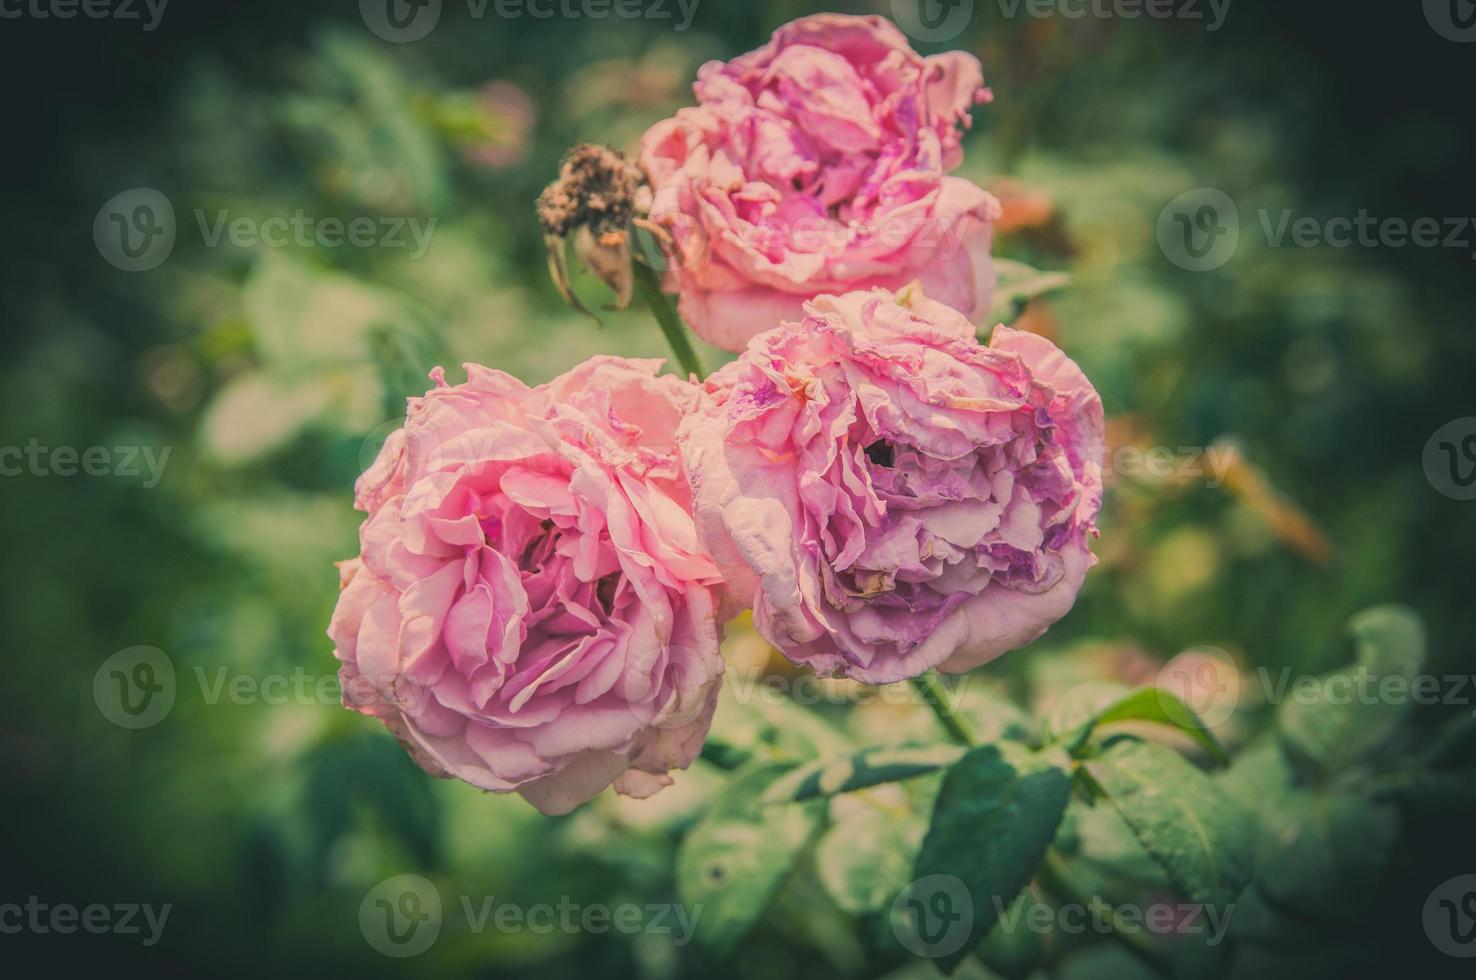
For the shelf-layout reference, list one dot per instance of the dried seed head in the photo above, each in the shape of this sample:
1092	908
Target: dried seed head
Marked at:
598	189
598	195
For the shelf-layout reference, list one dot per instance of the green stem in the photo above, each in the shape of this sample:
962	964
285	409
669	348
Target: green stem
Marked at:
936	695
672	326
1054	876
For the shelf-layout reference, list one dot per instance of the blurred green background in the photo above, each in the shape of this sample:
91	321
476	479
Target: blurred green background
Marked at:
271	374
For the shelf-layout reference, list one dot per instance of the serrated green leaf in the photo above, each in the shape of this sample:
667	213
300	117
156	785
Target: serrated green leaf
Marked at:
1201	837
869	767
991	825
734	859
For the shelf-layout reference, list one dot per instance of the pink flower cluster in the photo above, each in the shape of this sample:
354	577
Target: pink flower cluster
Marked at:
544	572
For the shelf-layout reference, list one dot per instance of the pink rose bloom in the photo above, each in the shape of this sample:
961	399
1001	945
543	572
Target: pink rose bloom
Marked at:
817	164
892	495
531	609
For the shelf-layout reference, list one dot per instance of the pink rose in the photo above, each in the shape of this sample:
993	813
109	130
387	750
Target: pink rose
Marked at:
893	496
531	609
817	164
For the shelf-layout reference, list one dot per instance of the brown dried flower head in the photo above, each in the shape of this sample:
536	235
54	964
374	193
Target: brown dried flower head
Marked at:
598	195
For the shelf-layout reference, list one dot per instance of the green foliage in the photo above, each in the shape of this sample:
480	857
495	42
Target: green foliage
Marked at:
1198	834
993	820
1152	706
731	863
866	768
865	856
1353	712
274	373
